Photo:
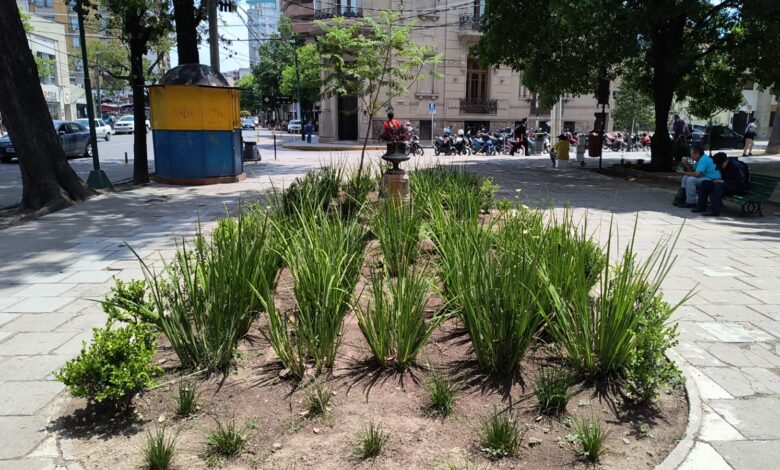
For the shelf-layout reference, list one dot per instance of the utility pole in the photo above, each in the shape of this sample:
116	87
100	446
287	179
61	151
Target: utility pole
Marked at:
97	85
97	177
213	35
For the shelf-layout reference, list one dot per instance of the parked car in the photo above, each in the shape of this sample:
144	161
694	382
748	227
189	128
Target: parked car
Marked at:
247	123
294	126
717	137
257	120
74	137
102	130
126	124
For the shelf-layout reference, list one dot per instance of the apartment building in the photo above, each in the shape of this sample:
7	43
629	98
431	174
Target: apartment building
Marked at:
466	95
262	21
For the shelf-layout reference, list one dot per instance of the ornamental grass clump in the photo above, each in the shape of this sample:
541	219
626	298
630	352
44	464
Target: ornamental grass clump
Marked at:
397	226
314	191
491	280
461	193
500	434
324	255
441	391
591	435
600	333
552	389
206	300
393	321
159	449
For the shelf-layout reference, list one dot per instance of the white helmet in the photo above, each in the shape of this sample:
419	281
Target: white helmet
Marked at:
460	132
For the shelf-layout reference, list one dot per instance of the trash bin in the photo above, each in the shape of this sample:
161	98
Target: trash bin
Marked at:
582	142
594	144
250	150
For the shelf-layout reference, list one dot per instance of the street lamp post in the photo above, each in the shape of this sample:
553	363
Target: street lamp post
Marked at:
97	177
297	43
97	85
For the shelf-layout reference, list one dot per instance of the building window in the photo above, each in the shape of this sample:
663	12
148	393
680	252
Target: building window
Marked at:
43	3
75	41
476	81
478	8
523	90
47	68
748	85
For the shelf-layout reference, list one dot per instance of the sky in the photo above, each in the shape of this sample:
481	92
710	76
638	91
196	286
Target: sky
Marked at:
231	26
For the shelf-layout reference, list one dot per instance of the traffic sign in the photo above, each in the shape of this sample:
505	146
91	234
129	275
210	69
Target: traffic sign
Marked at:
432	107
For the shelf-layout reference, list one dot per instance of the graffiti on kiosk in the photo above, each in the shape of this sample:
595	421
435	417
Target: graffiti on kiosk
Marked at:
183	113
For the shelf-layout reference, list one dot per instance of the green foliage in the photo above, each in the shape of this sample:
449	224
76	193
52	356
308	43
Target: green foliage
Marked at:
187	398
600	336
324	256
552	389
371	441
115	366
500	434
355	194
214	289
158	450
312	193
317	397
441	394
226	441
453	189
374	59
397	226
250	97
590	434
648	369
393	321
309	76
46	67
275	55
127	302
25	17
633	108
490	279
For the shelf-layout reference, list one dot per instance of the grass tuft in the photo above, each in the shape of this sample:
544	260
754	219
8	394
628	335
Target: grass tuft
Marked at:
371	441
317	397
226	441
500	434
590	434
441	394
158	450
552	390
187	399
397	226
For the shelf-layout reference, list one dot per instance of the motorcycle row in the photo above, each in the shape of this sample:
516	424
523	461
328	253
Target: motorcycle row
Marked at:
485	142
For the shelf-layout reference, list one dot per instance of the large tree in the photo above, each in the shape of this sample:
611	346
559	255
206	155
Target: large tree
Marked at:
375	60
139	23
48	181
680	49
309	75
187	17
274	56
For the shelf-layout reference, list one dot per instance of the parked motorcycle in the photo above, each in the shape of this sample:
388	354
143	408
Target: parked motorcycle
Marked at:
413	147
462	146
443	144
483	143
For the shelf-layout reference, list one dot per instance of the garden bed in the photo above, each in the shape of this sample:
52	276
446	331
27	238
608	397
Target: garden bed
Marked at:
541	353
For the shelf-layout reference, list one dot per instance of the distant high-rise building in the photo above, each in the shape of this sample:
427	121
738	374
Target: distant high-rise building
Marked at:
262	22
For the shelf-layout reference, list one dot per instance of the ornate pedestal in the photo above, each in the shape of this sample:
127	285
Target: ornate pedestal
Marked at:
395	182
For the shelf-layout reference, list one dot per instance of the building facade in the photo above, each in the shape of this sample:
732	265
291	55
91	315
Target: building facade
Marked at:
466	94
262	21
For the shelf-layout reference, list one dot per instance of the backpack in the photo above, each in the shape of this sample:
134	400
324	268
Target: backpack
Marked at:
679	198
744	175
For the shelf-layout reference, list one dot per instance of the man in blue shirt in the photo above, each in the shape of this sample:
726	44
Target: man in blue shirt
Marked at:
704	169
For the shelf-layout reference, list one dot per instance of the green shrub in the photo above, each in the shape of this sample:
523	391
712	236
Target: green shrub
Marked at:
226	441
552	389
590	434
158	450
324	256
500	434
393	322
187	398
317	398
371	441
648	369
441	394
490	279
115	366
208	297
599	335
127	302
461	193
397	226
355	194
314	192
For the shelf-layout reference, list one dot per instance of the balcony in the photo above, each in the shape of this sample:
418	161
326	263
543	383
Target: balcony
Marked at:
333	12
478	106
469	23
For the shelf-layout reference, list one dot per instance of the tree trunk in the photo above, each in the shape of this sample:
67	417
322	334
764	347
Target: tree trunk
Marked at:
48	181
774	138
662	147
185	16
365	144
140	159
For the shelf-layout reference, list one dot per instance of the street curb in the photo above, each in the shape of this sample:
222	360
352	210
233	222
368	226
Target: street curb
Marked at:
678	455
333	148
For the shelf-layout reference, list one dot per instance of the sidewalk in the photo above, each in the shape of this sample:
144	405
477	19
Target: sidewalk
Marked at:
729	333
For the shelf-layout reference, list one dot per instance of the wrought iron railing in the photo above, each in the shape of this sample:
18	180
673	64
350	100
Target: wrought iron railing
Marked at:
478	106
332	12
469	22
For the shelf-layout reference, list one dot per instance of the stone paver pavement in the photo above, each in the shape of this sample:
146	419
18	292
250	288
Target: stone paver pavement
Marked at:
52	269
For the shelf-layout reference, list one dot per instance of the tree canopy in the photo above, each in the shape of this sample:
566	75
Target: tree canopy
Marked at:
699	50
275	55
309	70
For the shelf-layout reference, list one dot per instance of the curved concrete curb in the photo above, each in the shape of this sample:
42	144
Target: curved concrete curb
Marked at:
331	148
678	455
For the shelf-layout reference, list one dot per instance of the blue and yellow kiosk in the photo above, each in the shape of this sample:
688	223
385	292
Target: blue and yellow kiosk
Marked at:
196	127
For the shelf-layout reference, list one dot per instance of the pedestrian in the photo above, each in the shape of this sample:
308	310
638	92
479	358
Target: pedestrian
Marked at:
560	151
734	179
309	131
680	130
750	135
704	169
520	138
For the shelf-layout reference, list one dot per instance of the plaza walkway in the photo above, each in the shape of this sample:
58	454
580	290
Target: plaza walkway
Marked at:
51	270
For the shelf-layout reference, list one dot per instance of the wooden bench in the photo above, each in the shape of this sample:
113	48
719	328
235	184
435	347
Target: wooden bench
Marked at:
760	190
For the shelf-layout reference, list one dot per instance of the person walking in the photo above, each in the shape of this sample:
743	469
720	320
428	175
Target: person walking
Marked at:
750	136
520	141
680	130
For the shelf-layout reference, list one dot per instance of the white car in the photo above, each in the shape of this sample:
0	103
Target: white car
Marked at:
126	124
102	130
294	126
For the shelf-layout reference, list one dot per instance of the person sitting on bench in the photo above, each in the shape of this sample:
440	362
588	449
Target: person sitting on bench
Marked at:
735	177
704	169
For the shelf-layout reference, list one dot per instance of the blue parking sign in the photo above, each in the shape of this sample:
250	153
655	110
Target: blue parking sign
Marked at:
432	107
